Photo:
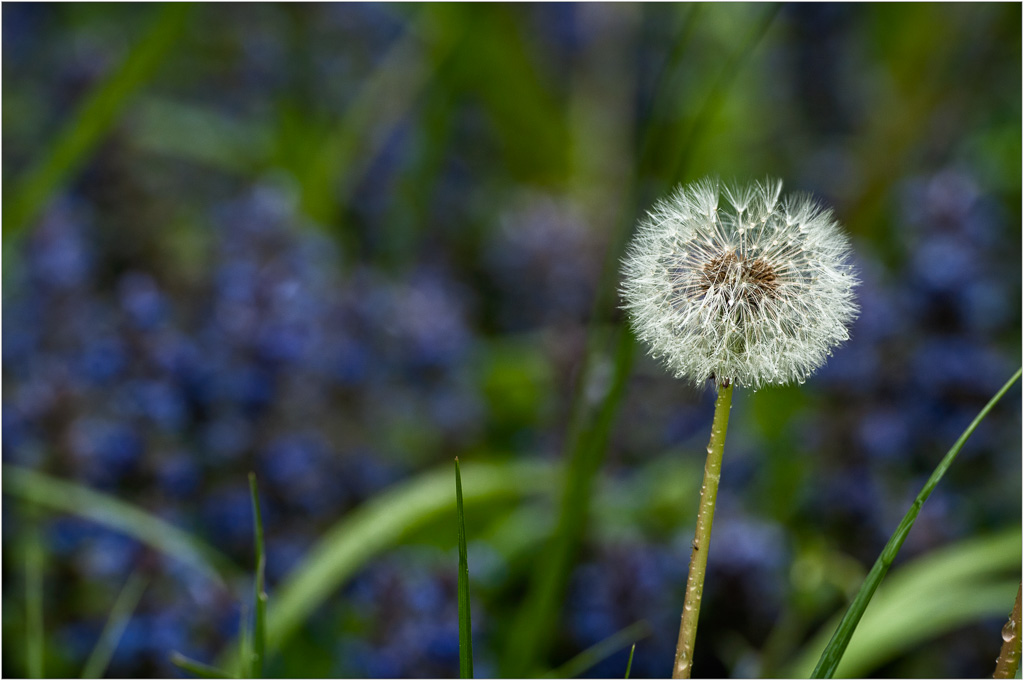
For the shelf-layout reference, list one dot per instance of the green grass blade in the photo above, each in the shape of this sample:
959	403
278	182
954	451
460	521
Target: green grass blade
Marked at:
96	116
629	665
259	628
927	597
380	523
712	104
69	497
465	621
123	608
203	671
833	653
35	561
602	650
538	616
384	99
242	664
196	134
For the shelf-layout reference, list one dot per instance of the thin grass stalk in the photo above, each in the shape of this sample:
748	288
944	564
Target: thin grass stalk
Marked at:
702	539
54	494
122	610
196	668
465	621
101	109
259	627
34	566
833	653
601	651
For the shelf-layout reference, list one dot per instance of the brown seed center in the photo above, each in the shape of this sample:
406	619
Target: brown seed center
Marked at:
760	277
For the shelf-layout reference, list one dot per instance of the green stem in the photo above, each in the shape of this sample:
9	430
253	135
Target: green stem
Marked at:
1009	656
702	539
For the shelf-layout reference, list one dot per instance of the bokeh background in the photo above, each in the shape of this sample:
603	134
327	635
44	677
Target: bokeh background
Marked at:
339	245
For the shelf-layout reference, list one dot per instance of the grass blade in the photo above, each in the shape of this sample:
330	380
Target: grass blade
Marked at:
96	116
200	135
380	523
716	97
123	608
537	617
259	628
465	623
629	665
927	597
833	653
34	566
244	644
602	650
70	497
384	98
203	671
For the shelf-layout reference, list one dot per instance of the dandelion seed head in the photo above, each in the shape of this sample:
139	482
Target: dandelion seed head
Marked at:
755	289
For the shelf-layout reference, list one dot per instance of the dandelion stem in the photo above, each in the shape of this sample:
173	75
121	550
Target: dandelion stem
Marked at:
1009	656
702	539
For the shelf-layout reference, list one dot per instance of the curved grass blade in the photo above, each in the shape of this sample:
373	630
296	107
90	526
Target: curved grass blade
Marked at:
833	653
203	671
70	497
537	617
123	608
259	627
99	112
716	97
35	560
602	650
928	596
465	621
629	665
1009	655
198	134
380	523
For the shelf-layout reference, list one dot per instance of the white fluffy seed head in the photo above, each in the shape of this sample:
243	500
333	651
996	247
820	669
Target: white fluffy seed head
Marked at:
757	291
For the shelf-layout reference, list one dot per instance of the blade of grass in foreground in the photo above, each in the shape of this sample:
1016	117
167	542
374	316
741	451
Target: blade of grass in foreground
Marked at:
123	608
537	617
833	652
465	624
924	598
259	628
244	644
629	665
99	112
34	561
378	524
602	650
70	497
203	671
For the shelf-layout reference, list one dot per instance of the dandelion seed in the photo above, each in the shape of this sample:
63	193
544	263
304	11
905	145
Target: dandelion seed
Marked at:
755	291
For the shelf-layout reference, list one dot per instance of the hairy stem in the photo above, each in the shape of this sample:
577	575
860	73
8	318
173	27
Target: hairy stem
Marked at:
702	539
1009	655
